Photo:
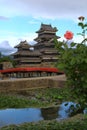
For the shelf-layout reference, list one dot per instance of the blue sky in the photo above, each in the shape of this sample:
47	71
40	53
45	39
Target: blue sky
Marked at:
20	19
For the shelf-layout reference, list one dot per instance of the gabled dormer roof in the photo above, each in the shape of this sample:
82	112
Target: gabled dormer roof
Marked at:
23	44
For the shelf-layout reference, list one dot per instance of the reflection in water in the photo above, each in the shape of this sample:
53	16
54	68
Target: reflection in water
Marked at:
18	116
49	113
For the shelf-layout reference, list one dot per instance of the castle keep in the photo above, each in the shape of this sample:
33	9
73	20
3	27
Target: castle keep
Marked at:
44	53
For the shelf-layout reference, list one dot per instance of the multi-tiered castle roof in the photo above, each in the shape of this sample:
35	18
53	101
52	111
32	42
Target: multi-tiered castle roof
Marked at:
25	56
44	53
45	44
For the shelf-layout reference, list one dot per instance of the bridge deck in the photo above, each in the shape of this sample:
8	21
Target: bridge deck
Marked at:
30	72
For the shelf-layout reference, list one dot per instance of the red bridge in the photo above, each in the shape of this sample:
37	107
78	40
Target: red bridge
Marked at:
30	72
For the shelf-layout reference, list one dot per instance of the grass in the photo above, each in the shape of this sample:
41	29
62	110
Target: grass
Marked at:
42	98
35	98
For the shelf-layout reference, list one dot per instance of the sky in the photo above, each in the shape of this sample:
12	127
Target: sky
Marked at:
20	19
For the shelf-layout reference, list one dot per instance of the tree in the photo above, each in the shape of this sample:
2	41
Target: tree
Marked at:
73	62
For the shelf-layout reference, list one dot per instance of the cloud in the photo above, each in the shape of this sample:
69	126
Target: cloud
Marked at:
78	39
6	49
7	46
29	37
3	18
33	22
15	38
43	8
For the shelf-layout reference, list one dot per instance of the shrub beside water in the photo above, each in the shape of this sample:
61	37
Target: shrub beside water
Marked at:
73	62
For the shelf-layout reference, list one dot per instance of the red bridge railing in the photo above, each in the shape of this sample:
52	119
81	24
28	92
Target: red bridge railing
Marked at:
30	72
30	69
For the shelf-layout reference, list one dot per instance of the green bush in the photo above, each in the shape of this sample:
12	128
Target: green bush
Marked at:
73	62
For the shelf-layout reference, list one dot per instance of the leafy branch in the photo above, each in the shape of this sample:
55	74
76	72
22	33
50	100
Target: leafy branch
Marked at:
83	25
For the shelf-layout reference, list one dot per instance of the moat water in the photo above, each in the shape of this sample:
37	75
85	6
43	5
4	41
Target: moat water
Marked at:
18	116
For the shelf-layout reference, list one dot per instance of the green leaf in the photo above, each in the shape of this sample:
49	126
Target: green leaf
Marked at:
85	25
81	24
80	34
65	45
86	60
85	40
61	66
73	44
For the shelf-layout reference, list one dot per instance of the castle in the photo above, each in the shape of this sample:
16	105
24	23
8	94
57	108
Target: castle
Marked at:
44	53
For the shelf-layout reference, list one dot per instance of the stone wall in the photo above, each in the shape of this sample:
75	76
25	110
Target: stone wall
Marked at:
30	83
1	75
6	65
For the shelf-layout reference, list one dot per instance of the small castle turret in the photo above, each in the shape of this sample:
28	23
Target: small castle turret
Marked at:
25	56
